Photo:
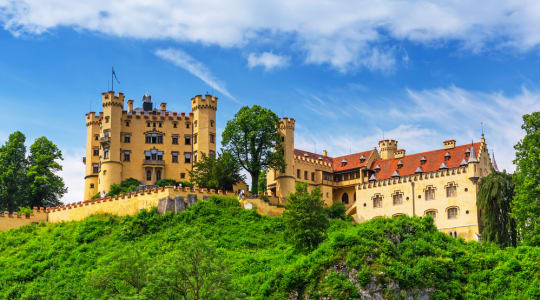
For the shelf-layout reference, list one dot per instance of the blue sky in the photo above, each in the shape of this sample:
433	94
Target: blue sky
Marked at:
349	72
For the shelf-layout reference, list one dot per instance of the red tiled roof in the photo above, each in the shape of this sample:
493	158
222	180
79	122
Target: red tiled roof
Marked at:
434	159
353	161
311	155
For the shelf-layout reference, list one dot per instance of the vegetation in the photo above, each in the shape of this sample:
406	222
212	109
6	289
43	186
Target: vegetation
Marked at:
105	257
336	211
127	186
305	218
30	181
172	182
262	182
219	173
495	193
253	139
526	203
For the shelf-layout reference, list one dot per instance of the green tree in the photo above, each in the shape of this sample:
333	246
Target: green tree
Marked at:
526	203
44	186
194	271
253	139
262	182
12	172
495	193
305	218
336	211
126	186
216	172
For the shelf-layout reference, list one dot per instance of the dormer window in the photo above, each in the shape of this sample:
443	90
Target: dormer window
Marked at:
399	164
377	168
423	160
343	162
467	153
362	158
447	156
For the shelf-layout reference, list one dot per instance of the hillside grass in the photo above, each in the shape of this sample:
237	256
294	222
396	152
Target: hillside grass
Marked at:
391	257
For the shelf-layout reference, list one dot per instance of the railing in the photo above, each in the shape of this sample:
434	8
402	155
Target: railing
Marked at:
105	140
154	162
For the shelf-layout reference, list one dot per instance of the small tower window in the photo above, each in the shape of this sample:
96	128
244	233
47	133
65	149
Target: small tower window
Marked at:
127	138
187	125
175	125
107	119
160	125
96	151
91	185
127	123
212	139
212	153
95	168
147	124
377	201
195	124
96	137
297	173
211	123
105	153
127	156
195	156
195	139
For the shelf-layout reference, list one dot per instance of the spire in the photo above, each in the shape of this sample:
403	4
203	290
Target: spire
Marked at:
473	154
494	163
373	178
463	163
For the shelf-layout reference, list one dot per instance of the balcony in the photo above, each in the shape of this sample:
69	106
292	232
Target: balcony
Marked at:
153	162
105	140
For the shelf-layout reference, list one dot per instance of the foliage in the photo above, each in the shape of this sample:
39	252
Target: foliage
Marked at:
127	186
262	182
30	181
44	187
12	172
219	173
526	203
336	211
106	257
305	218
25	211
495	193
171	182
253	139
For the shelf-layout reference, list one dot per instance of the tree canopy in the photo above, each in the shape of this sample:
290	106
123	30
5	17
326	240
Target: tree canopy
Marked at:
526	203
253	139
12	172
216	172
495	193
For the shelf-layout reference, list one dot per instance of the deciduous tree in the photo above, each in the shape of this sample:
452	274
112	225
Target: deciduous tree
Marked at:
12	172
526	203
220	172
253	139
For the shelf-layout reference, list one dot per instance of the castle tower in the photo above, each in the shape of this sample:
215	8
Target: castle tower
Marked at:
111	125
91	160
388	148
204	125
285	182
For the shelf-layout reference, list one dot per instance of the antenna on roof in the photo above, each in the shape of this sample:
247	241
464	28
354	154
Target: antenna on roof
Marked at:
383	134
113	77
482	126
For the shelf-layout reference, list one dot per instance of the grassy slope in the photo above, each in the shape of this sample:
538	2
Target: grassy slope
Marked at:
55	261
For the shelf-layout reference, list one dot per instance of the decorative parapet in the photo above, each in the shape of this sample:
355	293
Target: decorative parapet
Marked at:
312	161
412	178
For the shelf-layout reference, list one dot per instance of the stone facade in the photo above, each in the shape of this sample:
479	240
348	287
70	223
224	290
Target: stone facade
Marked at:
385	182
147	143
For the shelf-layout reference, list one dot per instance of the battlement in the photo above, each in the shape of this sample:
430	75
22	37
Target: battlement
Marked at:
209	101
287	123
388	148
18	219
388	143
313	161
109	98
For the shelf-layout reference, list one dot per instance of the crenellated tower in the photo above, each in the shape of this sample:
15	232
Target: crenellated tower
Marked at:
204	124
110	139
285	181
388	148
91	160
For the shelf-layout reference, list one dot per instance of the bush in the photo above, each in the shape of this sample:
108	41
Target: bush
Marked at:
336	211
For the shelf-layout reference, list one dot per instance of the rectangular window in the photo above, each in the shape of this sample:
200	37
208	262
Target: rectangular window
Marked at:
377	201
148	125
195	156
174	157
182	175
96	137
96	151
188	140
312	176
212	139
195	139
397	198
305	175
430	193
106	133
148	175
160	125
127	138
297	173
212	153
127	123
175	125
451	191
175	140
105	153
154	138
187	125
452	213
127	156
95	168
187	158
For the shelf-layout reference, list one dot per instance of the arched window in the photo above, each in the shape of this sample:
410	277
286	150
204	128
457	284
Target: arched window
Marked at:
397	198
452	212
397	215
377	201
451	190
430	193
345	198
431	212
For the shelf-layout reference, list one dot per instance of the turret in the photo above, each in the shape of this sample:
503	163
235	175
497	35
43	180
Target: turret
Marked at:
285	181
91	160
147	102
473	164
388	148
204	124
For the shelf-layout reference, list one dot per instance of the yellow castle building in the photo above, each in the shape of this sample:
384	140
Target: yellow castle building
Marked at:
147	143
385	182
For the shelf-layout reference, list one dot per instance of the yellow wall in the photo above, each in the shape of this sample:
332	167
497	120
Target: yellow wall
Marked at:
263	207
8	221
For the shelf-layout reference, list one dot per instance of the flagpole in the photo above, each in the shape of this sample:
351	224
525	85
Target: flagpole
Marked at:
112	79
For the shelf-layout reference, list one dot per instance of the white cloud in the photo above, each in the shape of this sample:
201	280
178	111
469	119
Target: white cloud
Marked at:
343	34
421	120
73	175
196	68
268	60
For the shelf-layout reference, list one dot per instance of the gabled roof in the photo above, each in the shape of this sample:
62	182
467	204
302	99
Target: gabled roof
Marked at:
353	161
311	155
434	160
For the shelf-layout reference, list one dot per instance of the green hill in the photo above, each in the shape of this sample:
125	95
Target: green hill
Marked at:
393	258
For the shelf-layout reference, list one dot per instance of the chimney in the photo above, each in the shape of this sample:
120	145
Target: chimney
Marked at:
388	148
130	105
324	153
399	153
449	144
163	106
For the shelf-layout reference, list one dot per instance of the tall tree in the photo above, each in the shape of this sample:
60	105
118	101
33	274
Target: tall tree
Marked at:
44	186
305	218
495	194
526	204
216	172
12	172
262	182
253	139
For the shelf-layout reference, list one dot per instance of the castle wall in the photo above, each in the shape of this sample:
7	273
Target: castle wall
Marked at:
14	220
263	208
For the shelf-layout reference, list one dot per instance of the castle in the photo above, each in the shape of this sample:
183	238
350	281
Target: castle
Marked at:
386	182
146	143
